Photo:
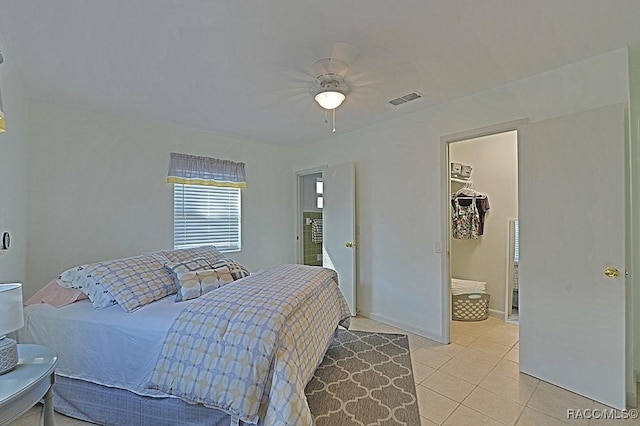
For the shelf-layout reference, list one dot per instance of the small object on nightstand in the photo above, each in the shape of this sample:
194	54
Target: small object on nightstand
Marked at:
28	383
11	319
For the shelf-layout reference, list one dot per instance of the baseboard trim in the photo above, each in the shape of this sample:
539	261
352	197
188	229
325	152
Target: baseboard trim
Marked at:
496	313
415	330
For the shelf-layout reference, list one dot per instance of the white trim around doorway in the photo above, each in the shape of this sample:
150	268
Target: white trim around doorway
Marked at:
445	186
299	200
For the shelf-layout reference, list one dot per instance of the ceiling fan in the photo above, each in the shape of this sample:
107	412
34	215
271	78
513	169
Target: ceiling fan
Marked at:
330	87
337	74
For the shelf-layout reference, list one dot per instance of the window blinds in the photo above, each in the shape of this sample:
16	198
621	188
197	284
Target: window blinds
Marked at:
206	215
206	201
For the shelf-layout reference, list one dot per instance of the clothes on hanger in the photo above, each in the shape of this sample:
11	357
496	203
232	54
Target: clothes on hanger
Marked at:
468	206
465	221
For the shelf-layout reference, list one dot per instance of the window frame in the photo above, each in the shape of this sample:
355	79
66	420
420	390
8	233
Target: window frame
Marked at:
211	205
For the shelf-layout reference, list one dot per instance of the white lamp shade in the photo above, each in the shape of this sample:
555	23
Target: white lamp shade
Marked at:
330	99
11	316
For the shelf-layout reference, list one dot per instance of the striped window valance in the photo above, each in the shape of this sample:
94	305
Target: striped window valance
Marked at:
196	170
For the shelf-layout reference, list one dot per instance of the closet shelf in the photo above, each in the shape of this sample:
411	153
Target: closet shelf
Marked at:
459	179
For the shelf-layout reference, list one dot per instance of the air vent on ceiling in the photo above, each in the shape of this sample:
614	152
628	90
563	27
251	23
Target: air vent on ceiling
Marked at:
406	98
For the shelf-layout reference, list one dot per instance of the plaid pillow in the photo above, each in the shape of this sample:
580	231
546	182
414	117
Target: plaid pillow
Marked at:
237	270
134	281
193	284
176	268
209	252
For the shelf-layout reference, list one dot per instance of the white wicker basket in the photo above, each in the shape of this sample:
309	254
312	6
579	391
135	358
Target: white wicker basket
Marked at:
470	307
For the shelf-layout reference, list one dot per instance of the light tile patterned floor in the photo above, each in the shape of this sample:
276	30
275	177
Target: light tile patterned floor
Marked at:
473	381
476	381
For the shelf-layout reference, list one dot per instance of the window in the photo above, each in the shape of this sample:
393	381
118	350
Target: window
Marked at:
206	215
206	201
319	191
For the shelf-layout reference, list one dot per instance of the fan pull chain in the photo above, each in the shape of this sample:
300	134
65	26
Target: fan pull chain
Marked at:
334	120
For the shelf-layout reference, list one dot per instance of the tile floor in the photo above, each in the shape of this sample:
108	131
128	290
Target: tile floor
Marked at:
473	381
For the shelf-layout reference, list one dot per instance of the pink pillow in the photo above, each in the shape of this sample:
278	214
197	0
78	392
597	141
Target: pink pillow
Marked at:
54	295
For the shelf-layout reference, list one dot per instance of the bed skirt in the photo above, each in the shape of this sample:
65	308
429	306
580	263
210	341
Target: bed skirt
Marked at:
113	406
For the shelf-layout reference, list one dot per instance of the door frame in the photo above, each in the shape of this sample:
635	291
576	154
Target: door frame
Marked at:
508	295
299	255
445	228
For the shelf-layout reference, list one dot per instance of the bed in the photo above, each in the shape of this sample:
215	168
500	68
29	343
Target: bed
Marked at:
239	354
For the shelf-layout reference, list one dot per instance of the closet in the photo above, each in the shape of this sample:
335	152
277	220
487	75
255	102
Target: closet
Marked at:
483	208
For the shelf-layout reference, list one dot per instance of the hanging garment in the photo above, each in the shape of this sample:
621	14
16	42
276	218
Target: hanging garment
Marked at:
482	204
316	231
465	221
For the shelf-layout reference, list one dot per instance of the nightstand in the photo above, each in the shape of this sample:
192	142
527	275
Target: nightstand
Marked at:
29	382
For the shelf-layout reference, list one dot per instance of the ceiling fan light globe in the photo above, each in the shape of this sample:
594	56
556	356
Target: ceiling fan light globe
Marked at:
330	99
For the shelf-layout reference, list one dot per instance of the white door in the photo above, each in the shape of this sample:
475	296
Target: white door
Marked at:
339	224
572	228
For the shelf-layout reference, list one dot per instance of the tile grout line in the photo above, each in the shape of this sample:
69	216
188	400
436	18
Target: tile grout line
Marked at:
476	386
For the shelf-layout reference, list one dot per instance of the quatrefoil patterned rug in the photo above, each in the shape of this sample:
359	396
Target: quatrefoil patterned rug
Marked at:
364	379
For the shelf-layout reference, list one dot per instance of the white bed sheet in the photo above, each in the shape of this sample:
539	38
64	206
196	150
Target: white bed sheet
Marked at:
459	286
139	334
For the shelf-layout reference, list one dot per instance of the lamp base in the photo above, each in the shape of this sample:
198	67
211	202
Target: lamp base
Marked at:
8	355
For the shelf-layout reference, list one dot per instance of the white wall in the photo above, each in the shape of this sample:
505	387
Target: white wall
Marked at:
13	175
495	173
401	180
97	190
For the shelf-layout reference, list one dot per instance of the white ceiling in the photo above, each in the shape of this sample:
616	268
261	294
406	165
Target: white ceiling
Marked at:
243	67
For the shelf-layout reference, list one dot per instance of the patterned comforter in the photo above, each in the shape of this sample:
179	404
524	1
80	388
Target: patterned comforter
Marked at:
250	348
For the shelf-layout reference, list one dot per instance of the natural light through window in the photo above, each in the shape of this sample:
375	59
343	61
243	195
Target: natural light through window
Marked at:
319	190
206	215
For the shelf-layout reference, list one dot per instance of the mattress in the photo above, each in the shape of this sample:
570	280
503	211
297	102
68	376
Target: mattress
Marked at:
112	406
79	325
460	286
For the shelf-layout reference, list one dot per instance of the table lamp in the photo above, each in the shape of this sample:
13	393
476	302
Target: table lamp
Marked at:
11	319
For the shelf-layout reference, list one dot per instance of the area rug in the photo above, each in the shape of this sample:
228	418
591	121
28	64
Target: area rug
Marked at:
364	379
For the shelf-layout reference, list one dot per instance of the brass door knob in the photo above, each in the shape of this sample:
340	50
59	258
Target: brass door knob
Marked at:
350	245
611	272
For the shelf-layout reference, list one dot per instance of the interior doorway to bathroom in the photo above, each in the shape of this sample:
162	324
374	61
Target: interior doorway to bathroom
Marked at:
326	226
310	217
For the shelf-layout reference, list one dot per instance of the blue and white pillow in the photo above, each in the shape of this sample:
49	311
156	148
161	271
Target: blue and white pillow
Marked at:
208	252
79	278
195	277
177	268
237	270
131	282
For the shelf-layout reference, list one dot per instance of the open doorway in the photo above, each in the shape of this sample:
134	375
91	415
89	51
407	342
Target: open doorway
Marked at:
482	241
326	207
310	217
